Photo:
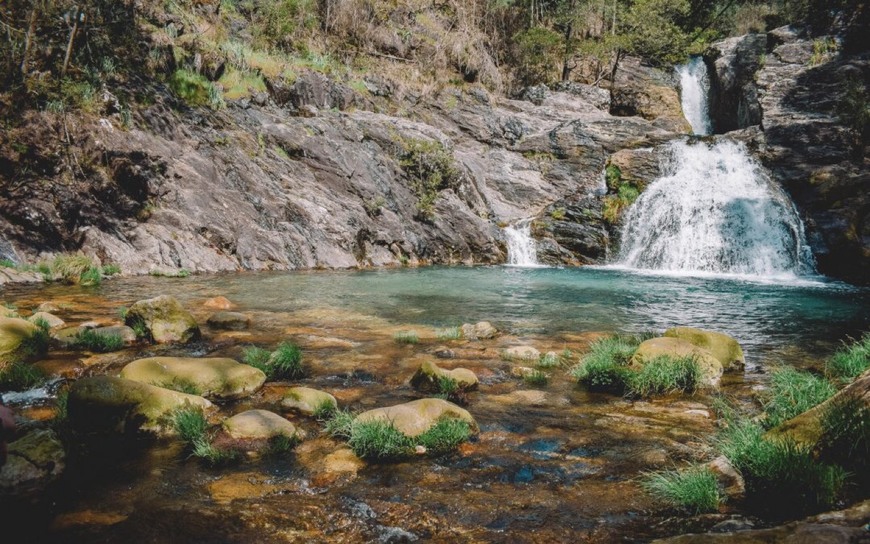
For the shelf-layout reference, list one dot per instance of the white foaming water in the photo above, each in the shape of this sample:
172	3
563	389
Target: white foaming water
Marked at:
695	86
716	211
521	246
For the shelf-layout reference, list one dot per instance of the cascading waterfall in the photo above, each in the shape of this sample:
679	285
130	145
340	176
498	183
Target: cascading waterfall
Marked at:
695	87
520	244
715	210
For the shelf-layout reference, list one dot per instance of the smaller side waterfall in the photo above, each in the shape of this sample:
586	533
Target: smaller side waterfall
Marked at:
520	244
695	86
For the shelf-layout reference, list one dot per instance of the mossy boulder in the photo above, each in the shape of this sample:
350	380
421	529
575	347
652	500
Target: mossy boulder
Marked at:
429	374
34	461
416	417
15	334
214	378
230	321
165	319
107	403
52	320
307	400
721	346
260	425
482	330
711	368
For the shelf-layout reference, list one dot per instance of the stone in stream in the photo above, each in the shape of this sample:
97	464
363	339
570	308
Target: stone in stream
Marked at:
231	321
218	303
307	400
521	353
729	478
260	425
49	307
165	319
34	461
212	377
711	368
482	330
107	403
428	375
53	321
720	345
416	417
15	334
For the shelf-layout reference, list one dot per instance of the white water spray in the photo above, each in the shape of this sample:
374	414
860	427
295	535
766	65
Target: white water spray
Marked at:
695	87
521	246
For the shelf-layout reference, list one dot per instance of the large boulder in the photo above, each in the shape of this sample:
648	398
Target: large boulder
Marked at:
107	403
14	336
307	400
34	461
711	368
260	425
165	319
416	417
721	346
214	377
429	374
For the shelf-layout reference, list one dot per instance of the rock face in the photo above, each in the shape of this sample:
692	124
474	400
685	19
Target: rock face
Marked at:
648	350
231	321
648	92
721	346
307	400
165	318
214	378
14	332
416	417
733	91
428	375
34	461
106	403
259	425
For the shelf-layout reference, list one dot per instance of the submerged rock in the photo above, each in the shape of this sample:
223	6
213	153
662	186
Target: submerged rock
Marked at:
307	400
34	461
721	346
711	368
53	321
219	303
482	330
416	417
427	377
107	403
14	334
49	307
521	353
232	321
165	318
260	425
212	377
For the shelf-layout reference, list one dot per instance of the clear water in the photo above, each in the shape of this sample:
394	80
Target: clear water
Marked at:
695	89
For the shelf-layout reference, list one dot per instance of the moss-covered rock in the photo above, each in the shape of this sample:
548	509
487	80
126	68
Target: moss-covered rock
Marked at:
34	461
165	319
107	403
428	376
711	368
721	346
260	425
416	417
307	400
214	378
14	336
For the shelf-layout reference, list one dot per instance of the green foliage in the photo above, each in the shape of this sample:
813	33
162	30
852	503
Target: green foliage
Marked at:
850	361
140	329
277	22
339	425
285	363
378	441
7	263
191	87
190	424
445	436
111	270
203	449
256	357
654	33
429	168
91	277
853	109
616	204
694	490
406	337
35	346
537	53
281	444
846	436
20	376
664	375
793	392
449	389
613	177
536	378
604	367
823	49
325	410
549	360
98	343
76	268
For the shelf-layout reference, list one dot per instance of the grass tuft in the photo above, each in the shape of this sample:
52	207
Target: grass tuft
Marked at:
536	378
449	389
190	424
664	375
325	410
695	489
793	392
450	333
91	277
406	337
846	436
285	363
445	436
20	376
339	424
378	441
35	346
850	361
98	343
282	444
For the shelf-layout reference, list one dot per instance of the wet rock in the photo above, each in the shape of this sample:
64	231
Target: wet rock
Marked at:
521	353
165	318
14	334
733	63
49	307
34	461
233	321
648	92
395	535
218	303
416	417
214	378
307	400
729	478
53	321
711	368
428	375
731	525
482	330
107	403
260	425
721	346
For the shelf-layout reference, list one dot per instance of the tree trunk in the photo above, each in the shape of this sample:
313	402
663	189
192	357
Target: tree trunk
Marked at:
31	29
72	36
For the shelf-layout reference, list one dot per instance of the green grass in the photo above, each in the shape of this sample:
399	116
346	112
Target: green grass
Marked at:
181	385
35	346
406	337
536	378
450	333
281	444
98	343
445	436
694	490
850	361
793	392
190	424
325	410
285	363
20	376
548	360
664	375
203	449
190	87
378	441
140	329
846	436
256	356
91	277
449	389
7	263
339	424
604	368
111	270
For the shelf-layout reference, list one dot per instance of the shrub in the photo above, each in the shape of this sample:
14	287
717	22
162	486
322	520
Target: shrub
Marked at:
406	337
98	343
695	489
286	362
537	52
20	376
665	375
793	392
378	441
71	268
429	168
445	436
850	361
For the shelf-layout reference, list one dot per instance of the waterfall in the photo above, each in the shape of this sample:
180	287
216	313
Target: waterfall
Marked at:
695	88
520	244
715	210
